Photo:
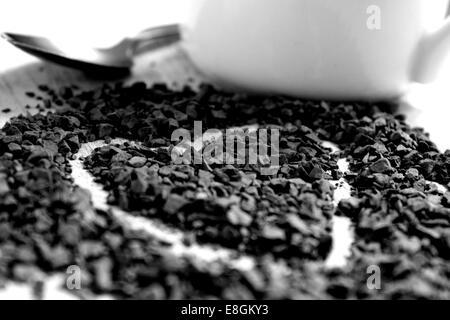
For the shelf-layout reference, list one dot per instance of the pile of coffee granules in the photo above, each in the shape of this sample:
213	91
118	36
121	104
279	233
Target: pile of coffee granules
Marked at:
47	223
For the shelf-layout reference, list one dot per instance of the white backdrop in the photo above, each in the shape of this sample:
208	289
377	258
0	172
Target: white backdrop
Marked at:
97	21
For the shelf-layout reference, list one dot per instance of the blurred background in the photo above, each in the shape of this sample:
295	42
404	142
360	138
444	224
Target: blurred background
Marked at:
95	20
101	23
96	23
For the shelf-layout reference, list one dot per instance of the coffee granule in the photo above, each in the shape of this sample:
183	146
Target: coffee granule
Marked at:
400	216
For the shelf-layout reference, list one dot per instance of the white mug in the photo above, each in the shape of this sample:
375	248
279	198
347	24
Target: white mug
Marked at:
321	49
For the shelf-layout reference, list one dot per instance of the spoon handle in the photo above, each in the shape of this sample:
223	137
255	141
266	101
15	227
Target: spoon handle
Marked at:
155	37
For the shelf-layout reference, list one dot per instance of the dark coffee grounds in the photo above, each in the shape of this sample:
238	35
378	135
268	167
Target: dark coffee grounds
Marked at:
169	192
224	205
47	224
402	221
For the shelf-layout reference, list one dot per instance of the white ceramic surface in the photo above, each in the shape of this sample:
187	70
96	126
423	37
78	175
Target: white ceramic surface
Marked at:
320	49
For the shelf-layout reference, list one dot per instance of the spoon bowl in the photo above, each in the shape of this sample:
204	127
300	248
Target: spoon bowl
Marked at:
115	61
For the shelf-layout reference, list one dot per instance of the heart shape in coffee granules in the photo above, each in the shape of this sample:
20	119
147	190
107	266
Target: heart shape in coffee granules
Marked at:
47	224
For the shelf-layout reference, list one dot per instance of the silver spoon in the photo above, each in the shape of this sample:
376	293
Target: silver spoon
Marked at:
113	61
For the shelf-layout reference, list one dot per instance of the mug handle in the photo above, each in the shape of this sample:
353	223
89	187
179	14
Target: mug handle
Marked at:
431	53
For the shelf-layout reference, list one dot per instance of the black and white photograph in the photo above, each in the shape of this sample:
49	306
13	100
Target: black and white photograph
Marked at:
207	151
